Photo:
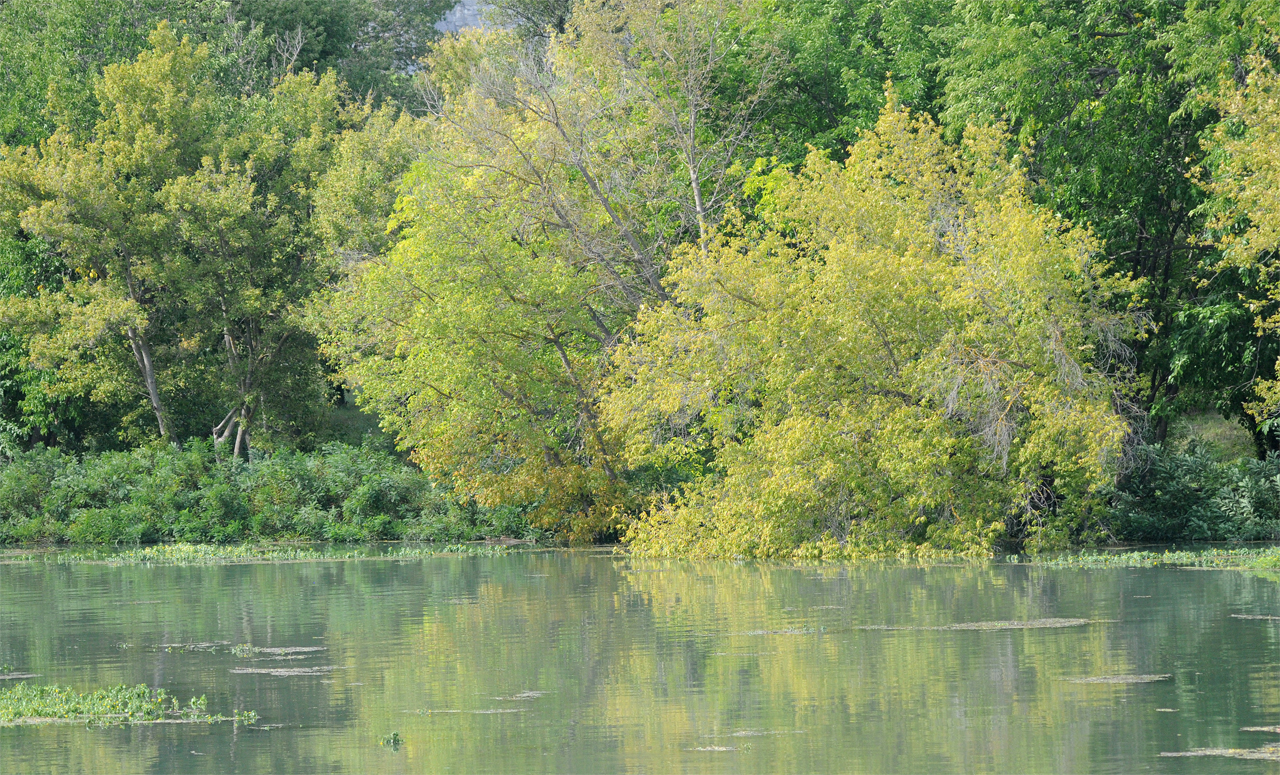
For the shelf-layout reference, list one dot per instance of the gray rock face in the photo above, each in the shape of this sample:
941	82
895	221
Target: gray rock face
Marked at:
467	13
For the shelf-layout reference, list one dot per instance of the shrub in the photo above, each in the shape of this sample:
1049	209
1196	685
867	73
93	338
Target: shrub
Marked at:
1190	495
339	493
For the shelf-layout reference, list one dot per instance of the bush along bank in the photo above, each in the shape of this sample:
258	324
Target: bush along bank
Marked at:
1175	496
339	493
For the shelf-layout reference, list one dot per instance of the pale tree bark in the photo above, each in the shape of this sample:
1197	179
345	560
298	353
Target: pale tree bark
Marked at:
142	354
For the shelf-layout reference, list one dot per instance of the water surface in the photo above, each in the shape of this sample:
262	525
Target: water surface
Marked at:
585	662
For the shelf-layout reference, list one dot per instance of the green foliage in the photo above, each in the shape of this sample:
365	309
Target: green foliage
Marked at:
373	45
1108	99
1191	495
1245	210
33	407
560	285
1244	558
31	704
183	221
51	52
340	493
534	225
838	56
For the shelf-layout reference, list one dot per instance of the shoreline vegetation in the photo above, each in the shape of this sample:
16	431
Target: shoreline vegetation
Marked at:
1208	557
704	278
187	506
243	554
165	495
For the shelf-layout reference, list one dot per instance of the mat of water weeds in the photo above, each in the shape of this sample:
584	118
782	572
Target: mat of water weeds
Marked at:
33	704
219	554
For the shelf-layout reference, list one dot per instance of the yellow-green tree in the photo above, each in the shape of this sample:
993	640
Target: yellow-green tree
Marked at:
536	222
1245	154
184	220
97	202
900	353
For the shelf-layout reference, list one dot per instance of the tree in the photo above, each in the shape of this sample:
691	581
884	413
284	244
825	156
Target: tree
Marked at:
838	57
1245	211
1106	97
373	45
535	225
98	201
184	223
36	406
897	354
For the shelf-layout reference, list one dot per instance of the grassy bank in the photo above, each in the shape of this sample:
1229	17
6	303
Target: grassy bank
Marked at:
339	493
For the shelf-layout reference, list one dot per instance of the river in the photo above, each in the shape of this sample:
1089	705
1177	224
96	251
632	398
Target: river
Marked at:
587	662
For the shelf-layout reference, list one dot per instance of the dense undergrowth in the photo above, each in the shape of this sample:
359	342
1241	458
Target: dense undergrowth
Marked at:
1174	495
345	493
339	493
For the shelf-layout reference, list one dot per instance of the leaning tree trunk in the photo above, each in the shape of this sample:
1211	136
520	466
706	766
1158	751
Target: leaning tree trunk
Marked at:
242	434
142	354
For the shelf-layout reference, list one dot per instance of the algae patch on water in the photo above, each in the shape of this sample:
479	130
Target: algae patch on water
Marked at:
1032	624
529	694
123	704
1266	753
1244	558
210	647
1121	679
284	672
245	650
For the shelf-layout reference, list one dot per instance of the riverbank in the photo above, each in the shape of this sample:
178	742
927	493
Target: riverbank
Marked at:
158	495
343	494
1209	556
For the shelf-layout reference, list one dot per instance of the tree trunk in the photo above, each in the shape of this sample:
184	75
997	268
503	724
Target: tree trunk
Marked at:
242	432
142	354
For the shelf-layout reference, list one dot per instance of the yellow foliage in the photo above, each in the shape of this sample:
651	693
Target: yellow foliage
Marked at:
1246	184
899	355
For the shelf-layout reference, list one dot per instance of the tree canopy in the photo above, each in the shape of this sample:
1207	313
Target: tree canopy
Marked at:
722	277
900	352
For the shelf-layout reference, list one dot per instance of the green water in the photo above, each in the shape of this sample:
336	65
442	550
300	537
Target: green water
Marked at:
584	662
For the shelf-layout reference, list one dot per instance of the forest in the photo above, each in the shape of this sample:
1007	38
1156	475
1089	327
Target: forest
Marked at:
706	278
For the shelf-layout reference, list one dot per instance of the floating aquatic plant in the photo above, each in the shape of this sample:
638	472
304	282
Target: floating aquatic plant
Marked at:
1266	753
1243	558
529	694
220	554
245	650
123	704
284	671
210	554
210	647
1032	624
1121	679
